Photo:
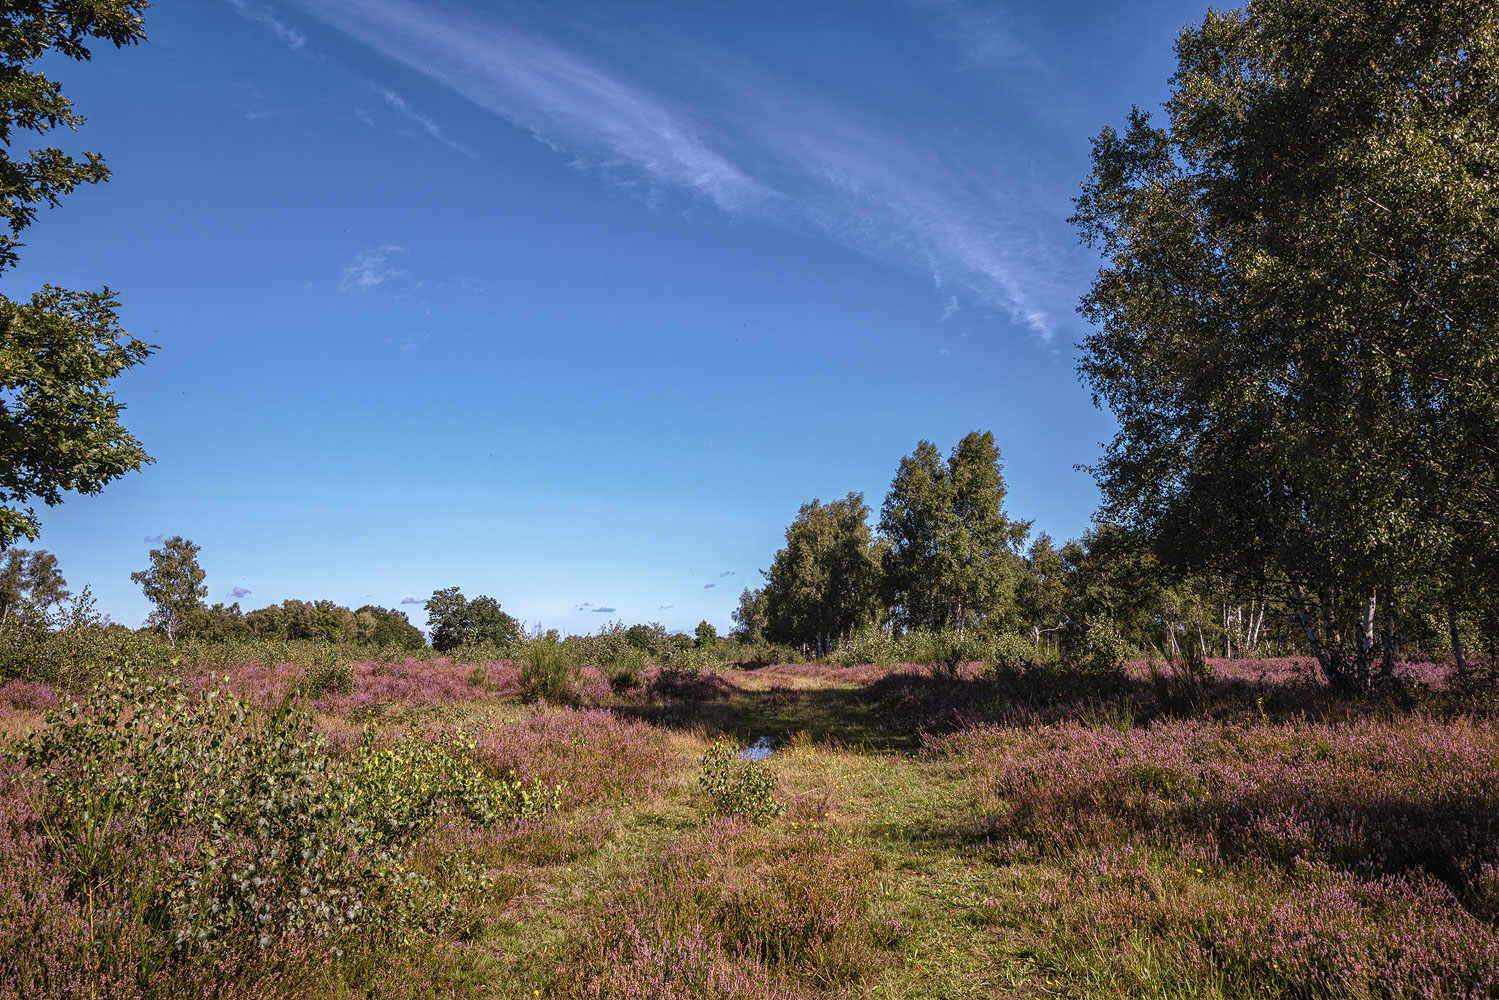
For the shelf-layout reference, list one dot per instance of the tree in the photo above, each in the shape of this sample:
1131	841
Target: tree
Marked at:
174	583
218	623
59	425
392	629
706	634
455	621
952	555
30	578
1296	312
1041	593
749	616
825	582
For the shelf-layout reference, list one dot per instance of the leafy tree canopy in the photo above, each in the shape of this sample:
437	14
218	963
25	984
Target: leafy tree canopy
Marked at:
453	621
1297	308
59	424
30	578
174	583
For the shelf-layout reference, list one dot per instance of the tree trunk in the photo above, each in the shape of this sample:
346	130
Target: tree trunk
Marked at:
1458	653
1331	669
1363	641
1387	666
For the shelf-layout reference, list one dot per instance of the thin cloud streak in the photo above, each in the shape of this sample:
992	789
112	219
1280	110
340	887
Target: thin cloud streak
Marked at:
398	104
289	36
774	152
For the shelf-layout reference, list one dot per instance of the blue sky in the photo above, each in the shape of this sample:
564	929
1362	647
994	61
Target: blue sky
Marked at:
576	305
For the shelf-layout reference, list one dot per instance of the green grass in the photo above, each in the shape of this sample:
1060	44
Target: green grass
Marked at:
929	893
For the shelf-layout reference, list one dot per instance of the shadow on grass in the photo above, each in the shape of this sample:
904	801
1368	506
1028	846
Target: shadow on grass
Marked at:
889	709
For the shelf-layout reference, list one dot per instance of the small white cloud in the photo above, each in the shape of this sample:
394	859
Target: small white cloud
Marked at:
944	353
370	268
949	309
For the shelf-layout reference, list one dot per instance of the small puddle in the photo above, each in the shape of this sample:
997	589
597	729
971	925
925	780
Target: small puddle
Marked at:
759	750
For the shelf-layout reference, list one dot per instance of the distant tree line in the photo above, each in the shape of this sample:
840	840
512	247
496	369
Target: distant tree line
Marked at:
945	556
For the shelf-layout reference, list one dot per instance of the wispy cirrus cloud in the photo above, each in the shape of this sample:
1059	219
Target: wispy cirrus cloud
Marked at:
561	97
370	269
756	145
288	34
398	104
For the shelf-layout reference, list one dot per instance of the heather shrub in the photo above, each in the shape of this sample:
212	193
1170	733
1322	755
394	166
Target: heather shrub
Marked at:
1366	797
737	786
1312	932
749	916
592	754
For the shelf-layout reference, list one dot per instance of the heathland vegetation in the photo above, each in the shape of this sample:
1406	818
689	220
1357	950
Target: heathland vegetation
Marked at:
1240	738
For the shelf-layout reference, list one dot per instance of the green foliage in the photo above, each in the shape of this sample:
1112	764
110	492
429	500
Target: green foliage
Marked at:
174	583
58	644
825	582
951	555
1295	313
737	786
546	670
399	789
30	578
749	616
1099	651
252	832
705	634
625	668
59	428
327	673
454	621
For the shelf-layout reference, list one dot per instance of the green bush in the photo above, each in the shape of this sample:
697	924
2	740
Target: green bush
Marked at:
399	789
327	673
546	670
209	827
625	668
737	786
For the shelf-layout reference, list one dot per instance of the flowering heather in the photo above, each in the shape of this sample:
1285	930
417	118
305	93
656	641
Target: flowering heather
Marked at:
591	753
1309	932
1369	796
412	682
634	958
28	695
736	905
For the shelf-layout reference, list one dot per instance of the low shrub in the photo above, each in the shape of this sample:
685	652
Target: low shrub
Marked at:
731	911
738	786
167	831
327	674
546	670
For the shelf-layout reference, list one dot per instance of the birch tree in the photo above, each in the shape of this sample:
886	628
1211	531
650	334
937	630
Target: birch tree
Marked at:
1295	316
